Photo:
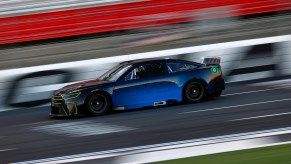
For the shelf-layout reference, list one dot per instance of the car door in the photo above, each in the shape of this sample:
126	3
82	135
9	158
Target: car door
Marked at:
142	86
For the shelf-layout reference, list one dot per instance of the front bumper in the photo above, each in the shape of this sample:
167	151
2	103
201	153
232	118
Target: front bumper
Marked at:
62	107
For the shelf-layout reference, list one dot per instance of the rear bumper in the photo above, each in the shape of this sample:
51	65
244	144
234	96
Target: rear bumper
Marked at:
218	84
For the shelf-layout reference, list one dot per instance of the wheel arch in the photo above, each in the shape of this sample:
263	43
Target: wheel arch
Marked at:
203	82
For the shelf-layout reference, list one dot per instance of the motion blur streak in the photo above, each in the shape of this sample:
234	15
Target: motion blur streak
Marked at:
172	154
256	91
47	44
81	129
130	15
270	115
7	149
145	40
235	106
179	149
24	7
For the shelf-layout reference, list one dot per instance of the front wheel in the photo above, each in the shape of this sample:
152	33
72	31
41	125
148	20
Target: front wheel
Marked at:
194	92
98	104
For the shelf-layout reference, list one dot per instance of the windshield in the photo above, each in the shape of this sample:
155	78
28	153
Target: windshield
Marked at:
114	73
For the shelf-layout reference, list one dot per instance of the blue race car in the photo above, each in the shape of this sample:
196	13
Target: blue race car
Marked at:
141	83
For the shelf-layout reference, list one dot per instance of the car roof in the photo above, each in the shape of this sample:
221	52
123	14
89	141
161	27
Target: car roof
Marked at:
138	61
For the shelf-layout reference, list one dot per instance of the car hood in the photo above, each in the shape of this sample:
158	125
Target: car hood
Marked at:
80	85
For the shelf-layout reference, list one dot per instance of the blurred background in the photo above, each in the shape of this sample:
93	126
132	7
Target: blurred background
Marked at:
50	33
47	44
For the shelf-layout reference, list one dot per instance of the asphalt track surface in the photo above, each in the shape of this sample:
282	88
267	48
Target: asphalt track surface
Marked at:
242	108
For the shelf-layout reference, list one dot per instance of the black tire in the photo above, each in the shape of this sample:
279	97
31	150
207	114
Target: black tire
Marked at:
194	92
217	94
98	104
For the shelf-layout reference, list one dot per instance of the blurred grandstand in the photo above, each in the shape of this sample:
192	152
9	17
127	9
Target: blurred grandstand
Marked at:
70	30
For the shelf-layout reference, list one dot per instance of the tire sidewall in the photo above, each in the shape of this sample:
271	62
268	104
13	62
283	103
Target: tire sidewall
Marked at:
104	110
201	97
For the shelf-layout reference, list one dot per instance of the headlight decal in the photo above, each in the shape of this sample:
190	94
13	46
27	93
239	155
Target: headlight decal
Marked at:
71	96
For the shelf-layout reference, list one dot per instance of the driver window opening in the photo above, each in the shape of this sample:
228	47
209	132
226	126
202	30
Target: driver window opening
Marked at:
145	71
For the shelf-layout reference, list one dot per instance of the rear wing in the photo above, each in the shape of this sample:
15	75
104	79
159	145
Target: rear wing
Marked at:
210	60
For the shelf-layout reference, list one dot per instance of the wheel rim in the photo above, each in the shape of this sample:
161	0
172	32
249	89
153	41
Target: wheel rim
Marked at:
98	103
194	91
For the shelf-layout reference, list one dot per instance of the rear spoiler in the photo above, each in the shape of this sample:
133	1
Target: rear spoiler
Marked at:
210	60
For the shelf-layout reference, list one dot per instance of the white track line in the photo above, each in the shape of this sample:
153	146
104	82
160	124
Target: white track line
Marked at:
235	106
256	117
262	90
276	82
249	136
7	149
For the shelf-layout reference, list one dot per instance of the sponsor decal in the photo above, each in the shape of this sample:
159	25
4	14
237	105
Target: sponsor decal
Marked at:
214	70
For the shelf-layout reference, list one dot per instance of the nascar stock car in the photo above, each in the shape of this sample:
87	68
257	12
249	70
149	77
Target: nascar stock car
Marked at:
141	83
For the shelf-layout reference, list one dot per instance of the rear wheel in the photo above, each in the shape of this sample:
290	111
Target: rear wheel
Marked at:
194	92
98	104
